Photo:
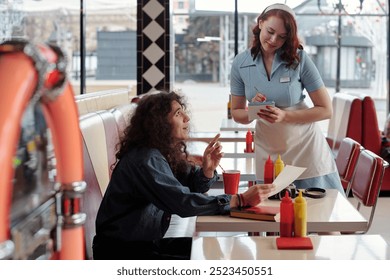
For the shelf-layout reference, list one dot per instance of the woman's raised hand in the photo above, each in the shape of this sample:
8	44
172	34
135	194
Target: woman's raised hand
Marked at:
212	156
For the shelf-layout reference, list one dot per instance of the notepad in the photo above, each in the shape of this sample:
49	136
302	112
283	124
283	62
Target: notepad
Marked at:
255	107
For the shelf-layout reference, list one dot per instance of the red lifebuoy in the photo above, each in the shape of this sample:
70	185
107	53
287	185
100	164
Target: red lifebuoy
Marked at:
18	82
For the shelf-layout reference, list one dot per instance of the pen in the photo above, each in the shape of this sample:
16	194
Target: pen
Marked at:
264	98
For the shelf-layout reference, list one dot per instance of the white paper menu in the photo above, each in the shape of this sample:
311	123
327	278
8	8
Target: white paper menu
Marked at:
288	175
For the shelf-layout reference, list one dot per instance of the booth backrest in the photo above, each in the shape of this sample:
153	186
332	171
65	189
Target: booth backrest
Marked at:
103	100
123	114
355	116
101	132
346	120
100	136
371	136
91	201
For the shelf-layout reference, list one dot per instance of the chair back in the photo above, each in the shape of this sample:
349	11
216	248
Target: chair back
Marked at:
367	180
346	160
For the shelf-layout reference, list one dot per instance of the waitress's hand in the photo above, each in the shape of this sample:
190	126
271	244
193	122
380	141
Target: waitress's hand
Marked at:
257	193
272	114
259	97
212	156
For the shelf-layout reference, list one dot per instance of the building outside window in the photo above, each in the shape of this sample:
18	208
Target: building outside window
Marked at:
203	33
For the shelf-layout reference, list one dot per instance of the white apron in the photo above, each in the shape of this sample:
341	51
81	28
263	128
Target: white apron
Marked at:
302	145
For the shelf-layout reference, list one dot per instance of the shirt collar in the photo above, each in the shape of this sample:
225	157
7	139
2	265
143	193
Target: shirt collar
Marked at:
248	61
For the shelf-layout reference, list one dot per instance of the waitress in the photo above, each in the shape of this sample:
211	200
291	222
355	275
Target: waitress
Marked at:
276	68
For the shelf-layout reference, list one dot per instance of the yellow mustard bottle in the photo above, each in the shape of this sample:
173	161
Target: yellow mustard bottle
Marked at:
278	165
300	216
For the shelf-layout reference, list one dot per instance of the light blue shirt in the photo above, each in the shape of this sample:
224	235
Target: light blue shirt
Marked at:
285	86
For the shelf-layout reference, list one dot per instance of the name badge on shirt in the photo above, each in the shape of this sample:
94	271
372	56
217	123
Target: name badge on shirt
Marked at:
284	79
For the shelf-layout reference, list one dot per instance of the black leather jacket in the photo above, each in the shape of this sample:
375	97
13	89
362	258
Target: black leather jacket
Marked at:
143	193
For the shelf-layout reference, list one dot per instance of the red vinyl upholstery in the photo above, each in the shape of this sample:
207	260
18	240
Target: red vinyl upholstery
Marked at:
346	160
355	116
367	180
371	136
354	130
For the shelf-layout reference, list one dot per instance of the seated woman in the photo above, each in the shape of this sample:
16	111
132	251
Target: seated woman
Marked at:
154	179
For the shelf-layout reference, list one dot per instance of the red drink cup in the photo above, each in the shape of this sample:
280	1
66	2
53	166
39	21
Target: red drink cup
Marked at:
231	179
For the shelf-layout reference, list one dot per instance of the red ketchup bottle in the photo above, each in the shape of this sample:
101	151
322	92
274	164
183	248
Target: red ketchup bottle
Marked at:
286	216
268	171
249	141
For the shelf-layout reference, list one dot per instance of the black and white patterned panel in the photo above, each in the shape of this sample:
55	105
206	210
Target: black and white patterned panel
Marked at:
153	46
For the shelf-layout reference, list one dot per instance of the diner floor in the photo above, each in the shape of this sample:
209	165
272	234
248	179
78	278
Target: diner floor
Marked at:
208	106
381	222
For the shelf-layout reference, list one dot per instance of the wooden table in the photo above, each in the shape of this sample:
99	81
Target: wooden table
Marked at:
325	247
332	213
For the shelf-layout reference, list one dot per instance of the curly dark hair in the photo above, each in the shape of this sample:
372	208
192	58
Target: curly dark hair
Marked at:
292	44
149	127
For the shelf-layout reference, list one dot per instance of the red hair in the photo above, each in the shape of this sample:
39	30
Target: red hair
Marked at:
290	46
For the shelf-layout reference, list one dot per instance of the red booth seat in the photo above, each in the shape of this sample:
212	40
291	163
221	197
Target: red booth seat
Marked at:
354	116
371	136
